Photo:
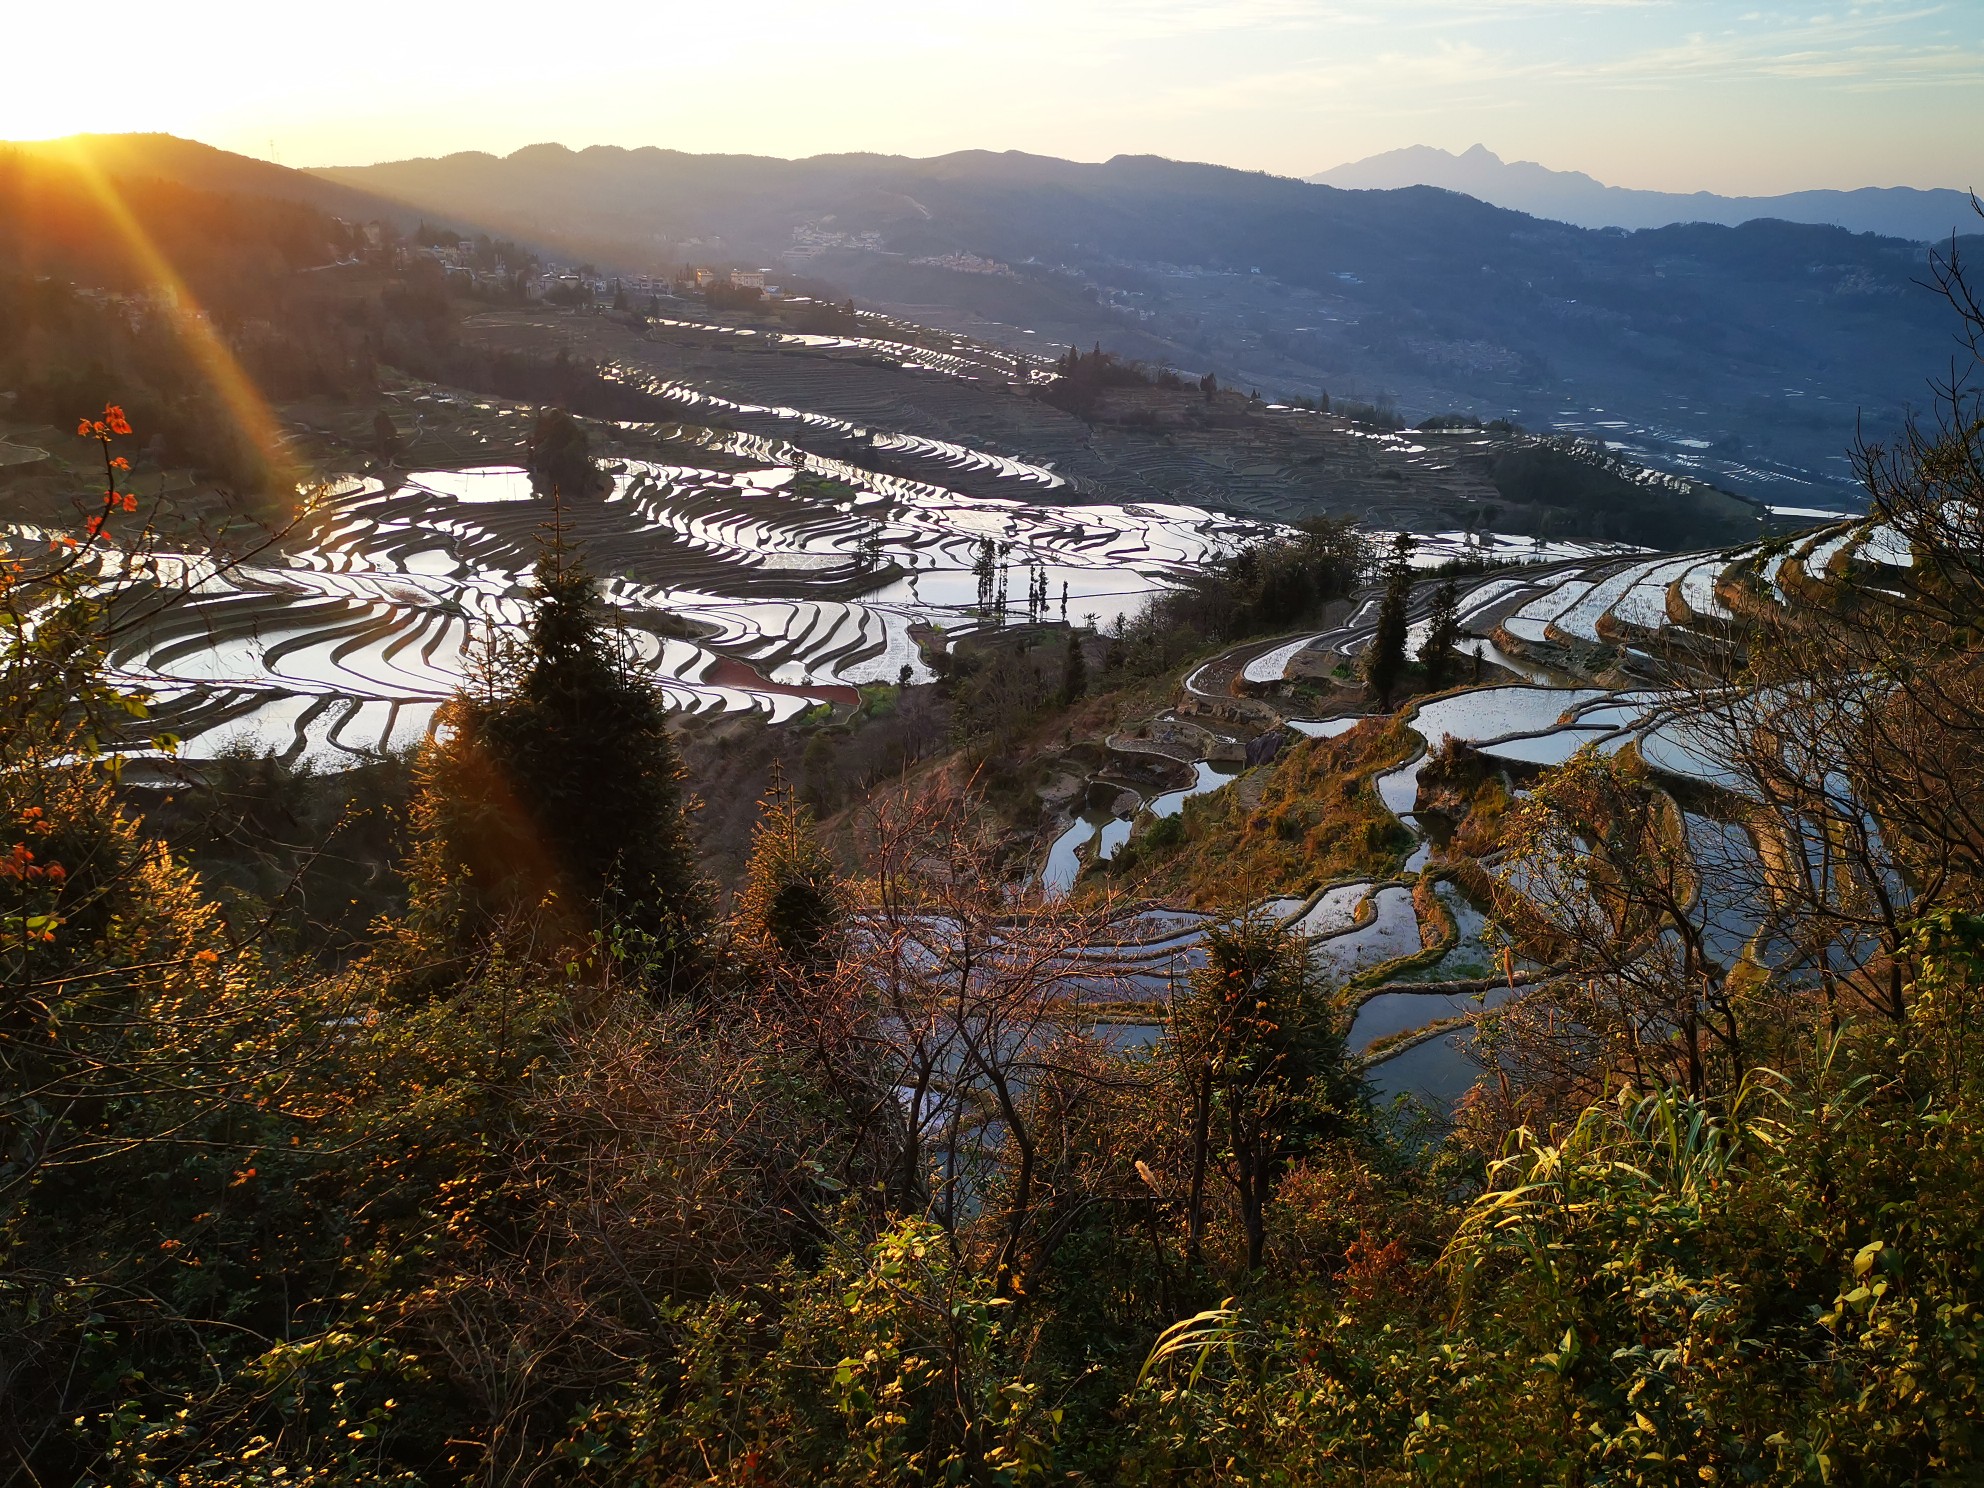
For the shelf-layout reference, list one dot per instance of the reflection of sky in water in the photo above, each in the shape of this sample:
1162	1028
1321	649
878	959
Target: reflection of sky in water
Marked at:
1206	777
1397	1012
1494	712
1399	789
1437	1072
1324	728
1108	832
402	579
1392	931
1063	857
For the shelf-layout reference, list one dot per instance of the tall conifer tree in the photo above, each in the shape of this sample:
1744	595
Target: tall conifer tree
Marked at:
1438	653
1074	673
554	796
1385	664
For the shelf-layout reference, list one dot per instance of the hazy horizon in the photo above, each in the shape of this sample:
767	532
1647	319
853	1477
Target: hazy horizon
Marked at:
1670	95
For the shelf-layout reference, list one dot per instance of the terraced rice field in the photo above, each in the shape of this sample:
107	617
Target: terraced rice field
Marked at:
1570	615
747	590
793	580
1097	835
1352	928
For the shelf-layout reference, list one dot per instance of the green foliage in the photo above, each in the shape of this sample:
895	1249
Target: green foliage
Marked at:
1384	664
559	459
1781	1287
551	1223
1568	487
793	903
554	795
1267	587
1313	817
722	296
1258	1047
1074	671
997	692
1438	654
1082	380
310	860
888	1363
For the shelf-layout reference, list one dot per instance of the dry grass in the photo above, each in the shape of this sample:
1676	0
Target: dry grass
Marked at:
1313	817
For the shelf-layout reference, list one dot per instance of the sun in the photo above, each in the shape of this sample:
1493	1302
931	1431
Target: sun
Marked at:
42	103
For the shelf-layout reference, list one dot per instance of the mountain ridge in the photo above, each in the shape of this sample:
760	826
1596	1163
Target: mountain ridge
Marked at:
203	167
1761	342
1914	213
1741	355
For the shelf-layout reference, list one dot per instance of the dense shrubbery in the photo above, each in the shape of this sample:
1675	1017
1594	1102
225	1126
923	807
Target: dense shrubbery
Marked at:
1083	379
721	296
1369	415
1000	690
1267	587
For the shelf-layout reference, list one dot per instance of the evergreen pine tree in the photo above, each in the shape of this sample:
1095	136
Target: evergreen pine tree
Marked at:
1438	653
985	569
793	902
1074	676
553	797
1384	665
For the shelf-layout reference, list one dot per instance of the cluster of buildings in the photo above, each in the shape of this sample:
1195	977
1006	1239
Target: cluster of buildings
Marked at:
966	263
467	261
736	278
811	239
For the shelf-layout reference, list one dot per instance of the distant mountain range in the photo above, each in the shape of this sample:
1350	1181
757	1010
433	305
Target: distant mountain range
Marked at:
1743	353
1746	355
1572	196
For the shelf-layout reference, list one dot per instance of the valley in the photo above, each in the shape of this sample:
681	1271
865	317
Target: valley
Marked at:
981	820
824	523
1732	352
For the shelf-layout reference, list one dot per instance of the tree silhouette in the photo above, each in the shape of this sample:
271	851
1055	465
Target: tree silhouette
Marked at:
559	457
1074	676
1385	664
1437	653
1256	1044
552	797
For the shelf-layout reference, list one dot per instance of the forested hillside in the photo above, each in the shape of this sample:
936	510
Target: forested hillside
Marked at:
568	1169
180	302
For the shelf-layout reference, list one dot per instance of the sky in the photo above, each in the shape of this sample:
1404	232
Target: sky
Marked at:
1675	95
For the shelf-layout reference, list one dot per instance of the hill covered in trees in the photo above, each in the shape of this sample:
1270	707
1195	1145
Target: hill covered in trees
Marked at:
199	289
1734	353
